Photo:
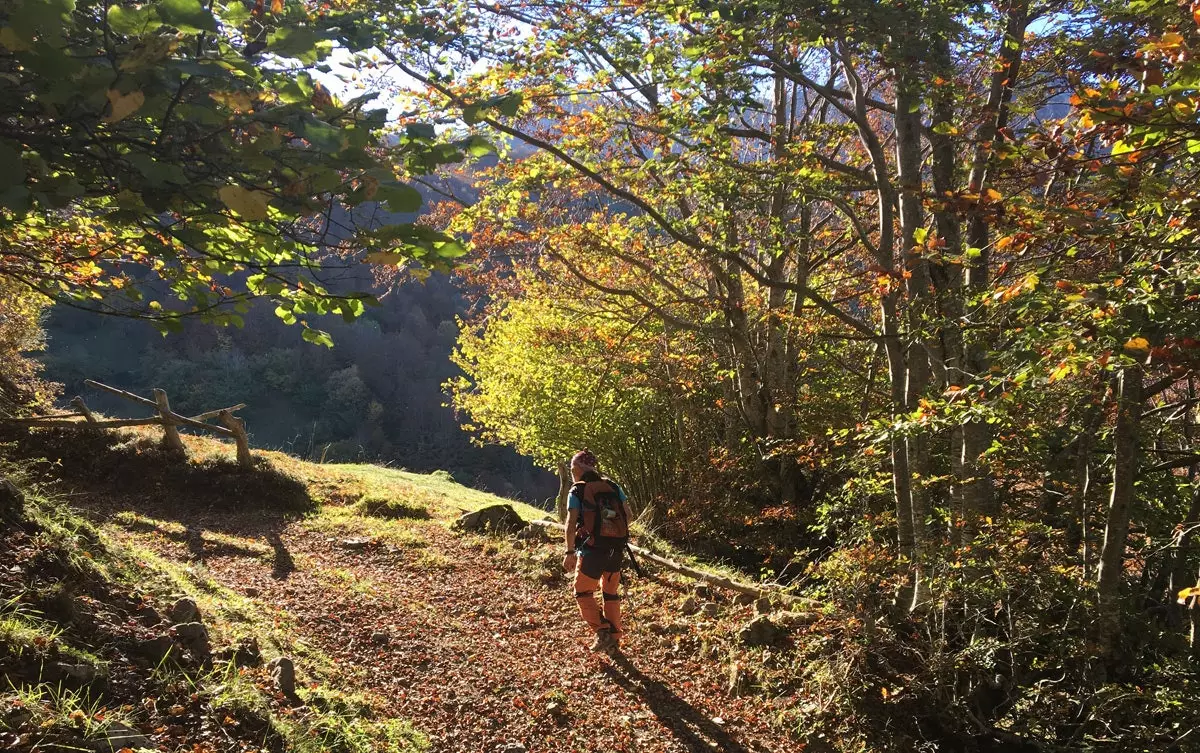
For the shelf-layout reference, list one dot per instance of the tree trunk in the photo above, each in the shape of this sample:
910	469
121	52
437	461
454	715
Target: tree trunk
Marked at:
564	488
908	161
978	496
1120	505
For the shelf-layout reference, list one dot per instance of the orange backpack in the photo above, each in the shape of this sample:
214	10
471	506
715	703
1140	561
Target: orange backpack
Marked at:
602	521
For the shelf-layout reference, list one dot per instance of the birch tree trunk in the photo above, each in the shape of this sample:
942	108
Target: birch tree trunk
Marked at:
1120	505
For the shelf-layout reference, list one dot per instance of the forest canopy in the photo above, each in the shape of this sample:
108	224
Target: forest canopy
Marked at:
895	303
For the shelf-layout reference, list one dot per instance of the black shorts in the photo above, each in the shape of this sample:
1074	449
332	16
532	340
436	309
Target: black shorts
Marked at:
595	562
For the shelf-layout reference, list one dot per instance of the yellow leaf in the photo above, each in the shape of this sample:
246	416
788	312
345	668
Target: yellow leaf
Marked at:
250	205
1003	243
1137	344
123	105
385	257
993	194
1171	39
10	40
1188	593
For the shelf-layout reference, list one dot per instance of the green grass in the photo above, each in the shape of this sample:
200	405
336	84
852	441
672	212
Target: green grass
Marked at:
24	632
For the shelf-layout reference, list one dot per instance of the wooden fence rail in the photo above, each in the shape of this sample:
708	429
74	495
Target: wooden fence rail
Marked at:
231	426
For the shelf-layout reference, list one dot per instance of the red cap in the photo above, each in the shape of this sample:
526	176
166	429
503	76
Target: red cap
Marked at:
585	460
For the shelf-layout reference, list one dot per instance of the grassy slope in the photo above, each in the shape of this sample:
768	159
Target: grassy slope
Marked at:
327	498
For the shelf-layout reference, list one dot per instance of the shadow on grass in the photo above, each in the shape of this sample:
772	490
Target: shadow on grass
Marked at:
691	726
107	473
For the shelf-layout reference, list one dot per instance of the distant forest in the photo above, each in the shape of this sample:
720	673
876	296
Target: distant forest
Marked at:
375	396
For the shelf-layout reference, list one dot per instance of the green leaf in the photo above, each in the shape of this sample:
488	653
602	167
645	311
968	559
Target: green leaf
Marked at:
303	44
249	204
33	16
131	20
421	130
317	337
449	249
477	146
285	314
399	197
234	13
509	105
16	198
12	168
323	136
189	16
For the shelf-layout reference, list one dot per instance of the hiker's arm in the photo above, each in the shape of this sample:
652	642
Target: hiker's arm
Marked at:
569	538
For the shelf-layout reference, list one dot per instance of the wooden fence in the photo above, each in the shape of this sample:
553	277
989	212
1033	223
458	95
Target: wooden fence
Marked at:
231	425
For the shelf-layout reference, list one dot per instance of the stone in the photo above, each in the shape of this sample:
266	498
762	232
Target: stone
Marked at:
184	610
497	518
380	638
744	599
709	609
283	674
155	649
355	545
12	501
244	653
195	636
63	671
149	616
120	737
690	606
532	533
252	592
704	591
739	680
761	631
795	619
762	606
512	748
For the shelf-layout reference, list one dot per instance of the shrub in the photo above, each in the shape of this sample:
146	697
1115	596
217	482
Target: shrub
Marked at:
378	506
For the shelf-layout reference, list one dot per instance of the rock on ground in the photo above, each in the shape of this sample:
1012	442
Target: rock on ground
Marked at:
283	673
120	737
761	632
184	610
490	518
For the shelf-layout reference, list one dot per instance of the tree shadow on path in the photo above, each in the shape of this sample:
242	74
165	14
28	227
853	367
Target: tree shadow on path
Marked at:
690	725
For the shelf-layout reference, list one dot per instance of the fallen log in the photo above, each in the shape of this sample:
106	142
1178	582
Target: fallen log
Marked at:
121	393
215	413
719	581
69	421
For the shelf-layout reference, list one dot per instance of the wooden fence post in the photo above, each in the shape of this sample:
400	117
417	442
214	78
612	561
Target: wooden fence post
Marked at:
238	427
170	433
79	405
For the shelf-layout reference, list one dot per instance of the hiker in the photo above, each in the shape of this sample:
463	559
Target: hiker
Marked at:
597	530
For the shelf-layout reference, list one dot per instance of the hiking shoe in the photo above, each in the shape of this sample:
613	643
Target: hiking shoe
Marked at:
604	643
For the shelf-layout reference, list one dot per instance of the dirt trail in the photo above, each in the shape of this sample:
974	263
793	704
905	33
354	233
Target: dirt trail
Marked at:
477	654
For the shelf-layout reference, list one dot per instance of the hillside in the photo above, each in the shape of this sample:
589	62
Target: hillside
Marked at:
404	634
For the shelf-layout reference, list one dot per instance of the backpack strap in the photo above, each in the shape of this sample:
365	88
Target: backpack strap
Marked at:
580	488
